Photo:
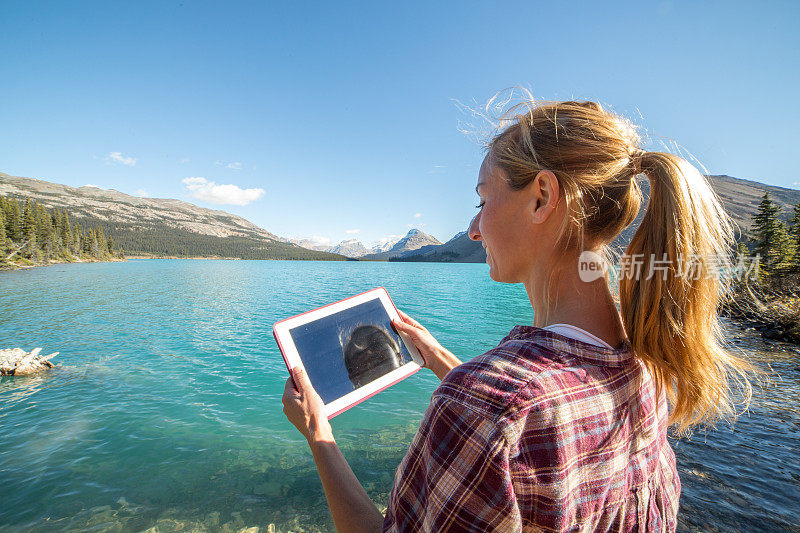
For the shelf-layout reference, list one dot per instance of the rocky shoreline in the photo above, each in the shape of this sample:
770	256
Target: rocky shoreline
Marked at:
9	267
776	315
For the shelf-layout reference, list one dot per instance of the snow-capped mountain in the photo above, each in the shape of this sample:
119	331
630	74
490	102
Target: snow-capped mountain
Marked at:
391	247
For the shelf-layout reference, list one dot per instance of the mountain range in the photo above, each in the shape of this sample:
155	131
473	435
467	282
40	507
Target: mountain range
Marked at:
156	227
739	198
349	247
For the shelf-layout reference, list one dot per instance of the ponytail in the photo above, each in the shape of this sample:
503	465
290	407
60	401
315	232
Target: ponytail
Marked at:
670	289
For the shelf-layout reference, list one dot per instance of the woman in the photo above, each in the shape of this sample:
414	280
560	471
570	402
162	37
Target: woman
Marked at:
563	425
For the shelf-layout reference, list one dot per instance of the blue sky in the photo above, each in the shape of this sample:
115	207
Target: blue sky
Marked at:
323	119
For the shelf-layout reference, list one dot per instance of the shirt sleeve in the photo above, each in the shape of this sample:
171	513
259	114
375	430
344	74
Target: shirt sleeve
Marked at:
455	476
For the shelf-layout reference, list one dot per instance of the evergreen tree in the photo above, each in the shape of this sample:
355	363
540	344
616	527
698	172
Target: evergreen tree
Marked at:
102	244
2	232
742	250
44	230
67	237
85	241
14	223
77	243
783	249
51	247
90	243
29	230
110	247
4	208
58	226
766	233
794	236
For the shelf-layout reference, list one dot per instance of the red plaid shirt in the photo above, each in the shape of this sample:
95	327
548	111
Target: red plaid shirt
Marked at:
542	433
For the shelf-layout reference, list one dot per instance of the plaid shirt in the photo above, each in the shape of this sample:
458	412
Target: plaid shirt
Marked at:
542	433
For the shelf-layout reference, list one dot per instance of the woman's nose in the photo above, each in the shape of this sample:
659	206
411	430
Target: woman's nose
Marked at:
473	232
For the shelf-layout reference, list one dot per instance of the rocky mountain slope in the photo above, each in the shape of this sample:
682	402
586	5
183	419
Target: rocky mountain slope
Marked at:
114	206
159	227
350	248
413	240
739	197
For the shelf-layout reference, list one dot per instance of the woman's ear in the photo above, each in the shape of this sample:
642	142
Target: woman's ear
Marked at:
545	192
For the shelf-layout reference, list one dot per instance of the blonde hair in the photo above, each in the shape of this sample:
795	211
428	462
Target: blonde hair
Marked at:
670	317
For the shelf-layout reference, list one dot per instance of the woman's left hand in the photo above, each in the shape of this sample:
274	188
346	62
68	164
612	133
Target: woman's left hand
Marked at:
304	408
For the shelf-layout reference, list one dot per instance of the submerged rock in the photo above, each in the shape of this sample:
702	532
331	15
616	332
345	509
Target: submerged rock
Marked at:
18	362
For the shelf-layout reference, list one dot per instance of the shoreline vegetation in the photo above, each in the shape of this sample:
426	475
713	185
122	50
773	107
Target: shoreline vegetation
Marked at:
32	235
774	313
770	301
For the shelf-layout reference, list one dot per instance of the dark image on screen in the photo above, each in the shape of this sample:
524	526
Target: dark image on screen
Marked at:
349	349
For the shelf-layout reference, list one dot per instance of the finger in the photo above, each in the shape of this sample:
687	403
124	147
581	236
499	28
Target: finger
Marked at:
416	324
290	391
399	324
408	319
301	380
408	329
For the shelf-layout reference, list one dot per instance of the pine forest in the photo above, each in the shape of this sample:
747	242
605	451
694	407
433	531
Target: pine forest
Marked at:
31	234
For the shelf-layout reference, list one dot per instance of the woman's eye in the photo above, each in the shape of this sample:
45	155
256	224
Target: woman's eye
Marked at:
480	205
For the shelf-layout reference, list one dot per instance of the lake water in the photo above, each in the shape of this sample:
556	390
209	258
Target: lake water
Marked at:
165	407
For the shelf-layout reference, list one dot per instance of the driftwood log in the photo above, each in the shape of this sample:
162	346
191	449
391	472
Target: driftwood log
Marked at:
18	362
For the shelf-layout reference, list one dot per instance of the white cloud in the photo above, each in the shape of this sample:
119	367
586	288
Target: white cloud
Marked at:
418	225
233	165
184	160
118	157
417	215
796	183
352	231
316	239
208	191
141	193
91	185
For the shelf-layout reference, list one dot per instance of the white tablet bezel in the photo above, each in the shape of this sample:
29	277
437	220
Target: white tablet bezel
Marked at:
280	330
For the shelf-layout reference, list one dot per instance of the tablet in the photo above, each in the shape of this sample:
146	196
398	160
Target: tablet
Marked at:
348	348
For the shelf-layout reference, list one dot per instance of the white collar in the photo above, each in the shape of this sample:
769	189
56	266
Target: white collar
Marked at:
574	332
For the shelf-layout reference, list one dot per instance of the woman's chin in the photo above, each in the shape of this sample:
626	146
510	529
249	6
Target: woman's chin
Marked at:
494	273
492	269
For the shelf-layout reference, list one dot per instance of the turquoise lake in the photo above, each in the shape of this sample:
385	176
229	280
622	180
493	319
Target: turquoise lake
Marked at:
165	408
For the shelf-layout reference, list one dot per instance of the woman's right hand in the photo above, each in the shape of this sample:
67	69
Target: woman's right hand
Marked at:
436	356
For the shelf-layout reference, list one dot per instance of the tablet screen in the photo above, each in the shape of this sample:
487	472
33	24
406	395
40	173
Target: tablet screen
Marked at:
349	349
